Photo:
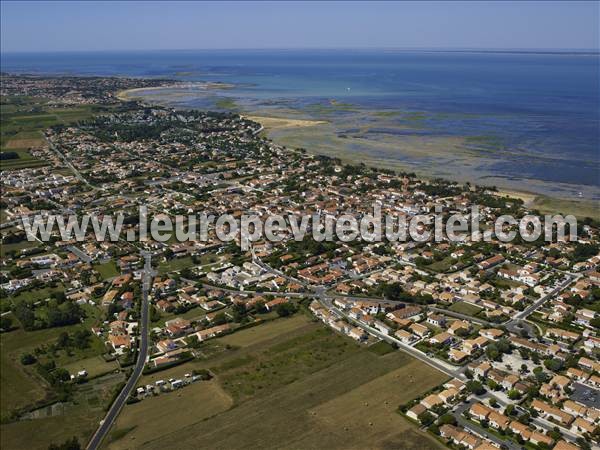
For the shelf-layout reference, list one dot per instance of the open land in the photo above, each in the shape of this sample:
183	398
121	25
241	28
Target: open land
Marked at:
295	385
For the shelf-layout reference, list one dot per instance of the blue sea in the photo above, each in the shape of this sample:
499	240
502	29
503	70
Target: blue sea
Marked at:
522	120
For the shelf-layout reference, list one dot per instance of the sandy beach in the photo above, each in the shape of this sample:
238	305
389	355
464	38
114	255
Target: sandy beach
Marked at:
126	94
273	123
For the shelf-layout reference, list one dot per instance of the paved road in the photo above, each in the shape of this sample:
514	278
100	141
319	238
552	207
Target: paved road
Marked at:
517	323
80	254
76	172
118	404
319	292
442	366
466	317
527	311
470	426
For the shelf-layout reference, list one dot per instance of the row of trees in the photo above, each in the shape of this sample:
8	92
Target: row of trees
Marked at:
395	291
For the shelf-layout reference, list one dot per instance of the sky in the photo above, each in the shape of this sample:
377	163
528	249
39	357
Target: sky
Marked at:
96	26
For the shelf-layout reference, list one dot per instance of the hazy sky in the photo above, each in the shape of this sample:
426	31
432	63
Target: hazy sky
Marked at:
53	26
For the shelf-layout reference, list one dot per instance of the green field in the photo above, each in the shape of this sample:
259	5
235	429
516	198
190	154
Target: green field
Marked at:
294	384
465	308
77	356
36	294
226	103
16	247
79	418
106	270
21	385
94	365
22	388
175	265
266	331
24	160
22	119
163	414
441	266
192	314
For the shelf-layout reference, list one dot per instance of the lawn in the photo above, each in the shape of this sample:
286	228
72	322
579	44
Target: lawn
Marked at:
465	308
106	270
308	388
94	365
441	266
175	264
36	294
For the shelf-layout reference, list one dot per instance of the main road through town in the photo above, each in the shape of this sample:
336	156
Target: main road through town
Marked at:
119	402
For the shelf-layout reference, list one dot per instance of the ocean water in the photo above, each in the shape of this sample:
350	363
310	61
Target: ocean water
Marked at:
527	121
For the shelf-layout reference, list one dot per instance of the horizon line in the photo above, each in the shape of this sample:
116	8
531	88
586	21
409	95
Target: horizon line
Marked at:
424	49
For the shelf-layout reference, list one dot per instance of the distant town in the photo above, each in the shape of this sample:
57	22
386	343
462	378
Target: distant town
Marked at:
504	334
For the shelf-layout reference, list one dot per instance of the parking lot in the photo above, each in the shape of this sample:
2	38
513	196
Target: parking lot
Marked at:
585	395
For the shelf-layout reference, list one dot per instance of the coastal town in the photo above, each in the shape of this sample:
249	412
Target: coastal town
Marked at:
512	328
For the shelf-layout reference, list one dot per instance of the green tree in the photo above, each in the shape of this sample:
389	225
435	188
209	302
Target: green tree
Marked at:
446	419
64	340
553	364
69	444
220	318
492	384
492	352
5	323
285	309
27	359
25	316
426	418
154	314
513	394
475	387
81	338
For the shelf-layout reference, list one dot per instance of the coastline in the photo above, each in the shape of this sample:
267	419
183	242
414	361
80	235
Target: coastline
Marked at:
273	123
544	203
125	95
